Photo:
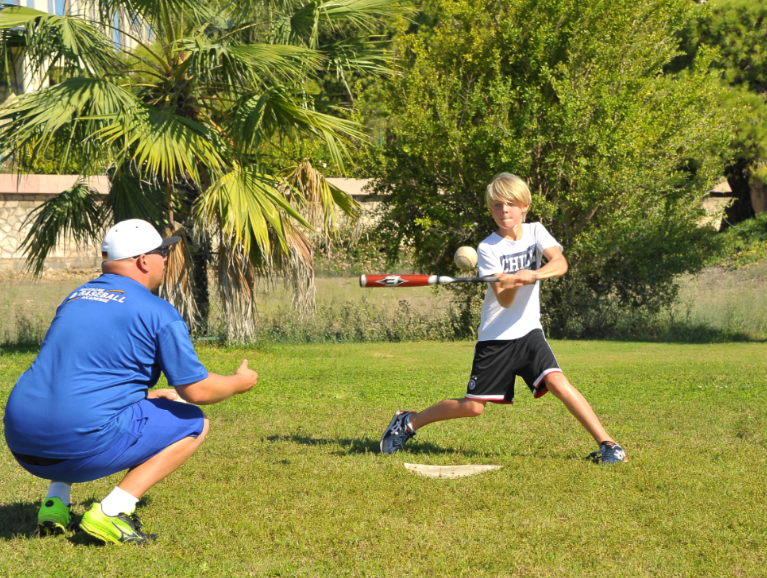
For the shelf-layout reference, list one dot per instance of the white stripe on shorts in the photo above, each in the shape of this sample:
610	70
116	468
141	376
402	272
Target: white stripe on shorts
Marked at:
490	397
545	373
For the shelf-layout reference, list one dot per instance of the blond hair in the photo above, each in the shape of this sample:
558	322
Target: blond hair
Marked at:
510	188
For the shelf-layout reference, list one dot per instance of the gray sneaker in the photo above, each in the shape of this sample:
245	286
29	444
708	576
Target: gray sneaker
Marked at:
608	453
397	433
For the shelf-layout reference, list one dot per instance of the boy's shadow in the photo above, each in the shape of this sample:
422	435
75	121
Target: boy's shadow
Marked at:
365	445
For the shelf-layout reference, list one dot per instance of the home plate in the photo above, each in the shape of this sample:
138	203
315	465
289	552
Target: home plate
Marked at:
449	472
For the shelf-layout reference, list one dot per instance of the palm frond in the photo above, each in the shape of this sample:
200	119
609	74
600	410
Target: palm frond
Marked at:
132	195
297	268
78	214
162	143
318	200
177	282
358	55
164	17
257	118
237	290
306	22
277	60
245	65
71	45
245	204
71	110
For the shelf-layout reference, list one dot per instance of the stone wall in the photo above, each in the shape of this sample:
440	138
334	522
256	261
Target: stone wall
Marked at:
18	198
13	210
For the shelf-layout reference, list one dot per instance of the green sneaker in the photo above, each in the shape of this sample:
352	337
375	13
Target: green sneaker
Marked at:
53	517
119	529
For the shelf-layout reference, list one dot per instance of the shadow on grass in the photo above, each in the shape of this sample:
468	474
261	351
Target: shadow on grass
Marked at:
18	520
366	445
18	348
669	333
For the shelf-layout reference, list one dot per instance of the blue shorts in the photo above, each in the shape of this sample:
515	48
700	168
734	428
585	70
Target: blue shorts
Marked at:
156	424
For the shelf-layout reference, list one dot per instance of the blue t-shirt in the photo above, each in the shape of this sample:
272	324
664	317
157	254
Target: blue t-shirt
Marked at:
106	346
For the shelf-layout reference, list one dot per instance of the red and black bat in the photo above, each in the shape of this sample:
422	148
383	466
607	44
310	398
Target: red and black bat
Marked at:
371	281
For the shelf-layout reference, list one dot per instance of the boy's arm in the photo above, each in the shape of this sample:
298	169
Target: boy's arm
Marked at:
556	265
504	294
506	288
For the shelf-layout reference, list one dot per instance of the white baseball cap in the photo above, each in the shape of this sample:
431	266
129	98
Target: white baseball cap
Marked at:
132	238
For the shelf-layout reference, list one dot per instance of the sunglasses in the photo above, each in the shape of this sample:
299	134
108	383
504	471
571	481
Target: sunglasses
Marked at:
161	251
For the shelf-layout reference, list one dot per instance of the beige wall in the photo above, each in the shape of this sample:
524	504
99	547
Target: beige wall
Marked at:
357	188
17	200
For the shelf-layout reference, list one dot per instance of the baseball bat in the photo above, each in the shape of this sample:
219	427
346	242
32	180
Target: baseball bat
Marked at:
372	281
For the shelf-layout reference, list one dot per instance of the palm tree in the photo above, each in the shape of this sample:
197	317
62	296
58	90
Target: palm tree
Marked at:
192	118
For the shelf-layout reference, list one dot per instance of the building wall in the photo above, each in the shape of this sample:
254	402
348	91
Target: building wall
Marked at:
357	189
18	198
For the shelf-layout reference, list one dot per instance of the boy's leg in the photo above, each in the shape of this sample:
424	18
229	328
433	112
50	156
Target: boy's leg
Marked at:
447	409
405	423
561	388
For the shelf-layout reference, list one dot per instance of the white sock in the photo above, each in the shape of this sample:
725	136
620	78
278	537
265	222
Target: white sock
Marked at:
118	502
409	425
59	490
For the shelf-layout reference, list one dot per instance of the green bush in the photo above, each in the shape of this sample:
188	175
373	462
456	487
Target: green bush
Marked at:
571	96
743	244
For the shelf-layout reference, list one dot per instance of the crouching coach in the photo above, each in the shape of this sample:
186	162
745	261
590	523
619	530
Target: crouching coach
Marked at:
83	410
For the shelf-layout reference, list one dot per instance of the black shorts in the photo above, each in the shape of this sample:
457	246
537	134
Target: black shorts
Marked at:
498	363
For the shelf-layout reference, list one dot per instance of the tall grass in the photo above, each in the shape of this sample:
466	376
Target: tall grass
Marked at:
719	305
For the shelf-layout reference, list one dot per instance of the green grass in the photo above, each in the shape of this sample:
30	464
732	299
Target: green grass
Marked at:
290	482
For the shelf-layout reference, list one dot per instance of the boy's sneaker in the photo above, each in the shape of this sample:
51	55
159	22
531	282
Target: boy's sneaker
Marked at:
53	517
608	453
397	434
119	529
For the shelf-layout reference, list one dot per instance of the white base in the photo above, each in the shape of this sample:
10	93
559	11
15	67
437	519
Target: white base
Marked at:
449	472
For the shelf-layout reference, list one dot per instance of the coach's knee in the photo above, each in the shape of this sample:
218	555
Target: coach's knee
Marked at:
473	408
201	437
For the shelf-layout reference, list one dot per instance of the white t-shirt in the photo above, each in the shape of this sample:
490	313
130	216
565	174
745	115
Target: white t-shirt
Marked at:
497	254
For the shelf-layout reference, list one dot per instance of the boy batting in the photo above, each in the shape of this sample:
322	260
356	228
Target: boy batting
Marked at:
510	336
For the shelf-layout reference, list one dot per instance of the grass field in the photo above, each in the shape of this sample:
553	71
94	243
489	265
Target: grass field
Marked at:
290	481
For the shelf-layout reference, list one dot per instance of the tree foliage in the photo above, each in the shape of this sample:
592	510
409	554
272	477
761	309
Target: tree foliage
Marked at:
738	30
191	118
571	96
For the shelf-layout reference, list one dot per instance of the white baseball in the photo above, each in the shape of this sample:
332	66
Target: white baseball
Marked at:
465	258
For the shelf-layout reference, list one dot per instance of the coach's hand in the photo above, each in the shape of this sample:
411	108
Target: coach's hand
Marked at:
216	388
248	376
163	394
